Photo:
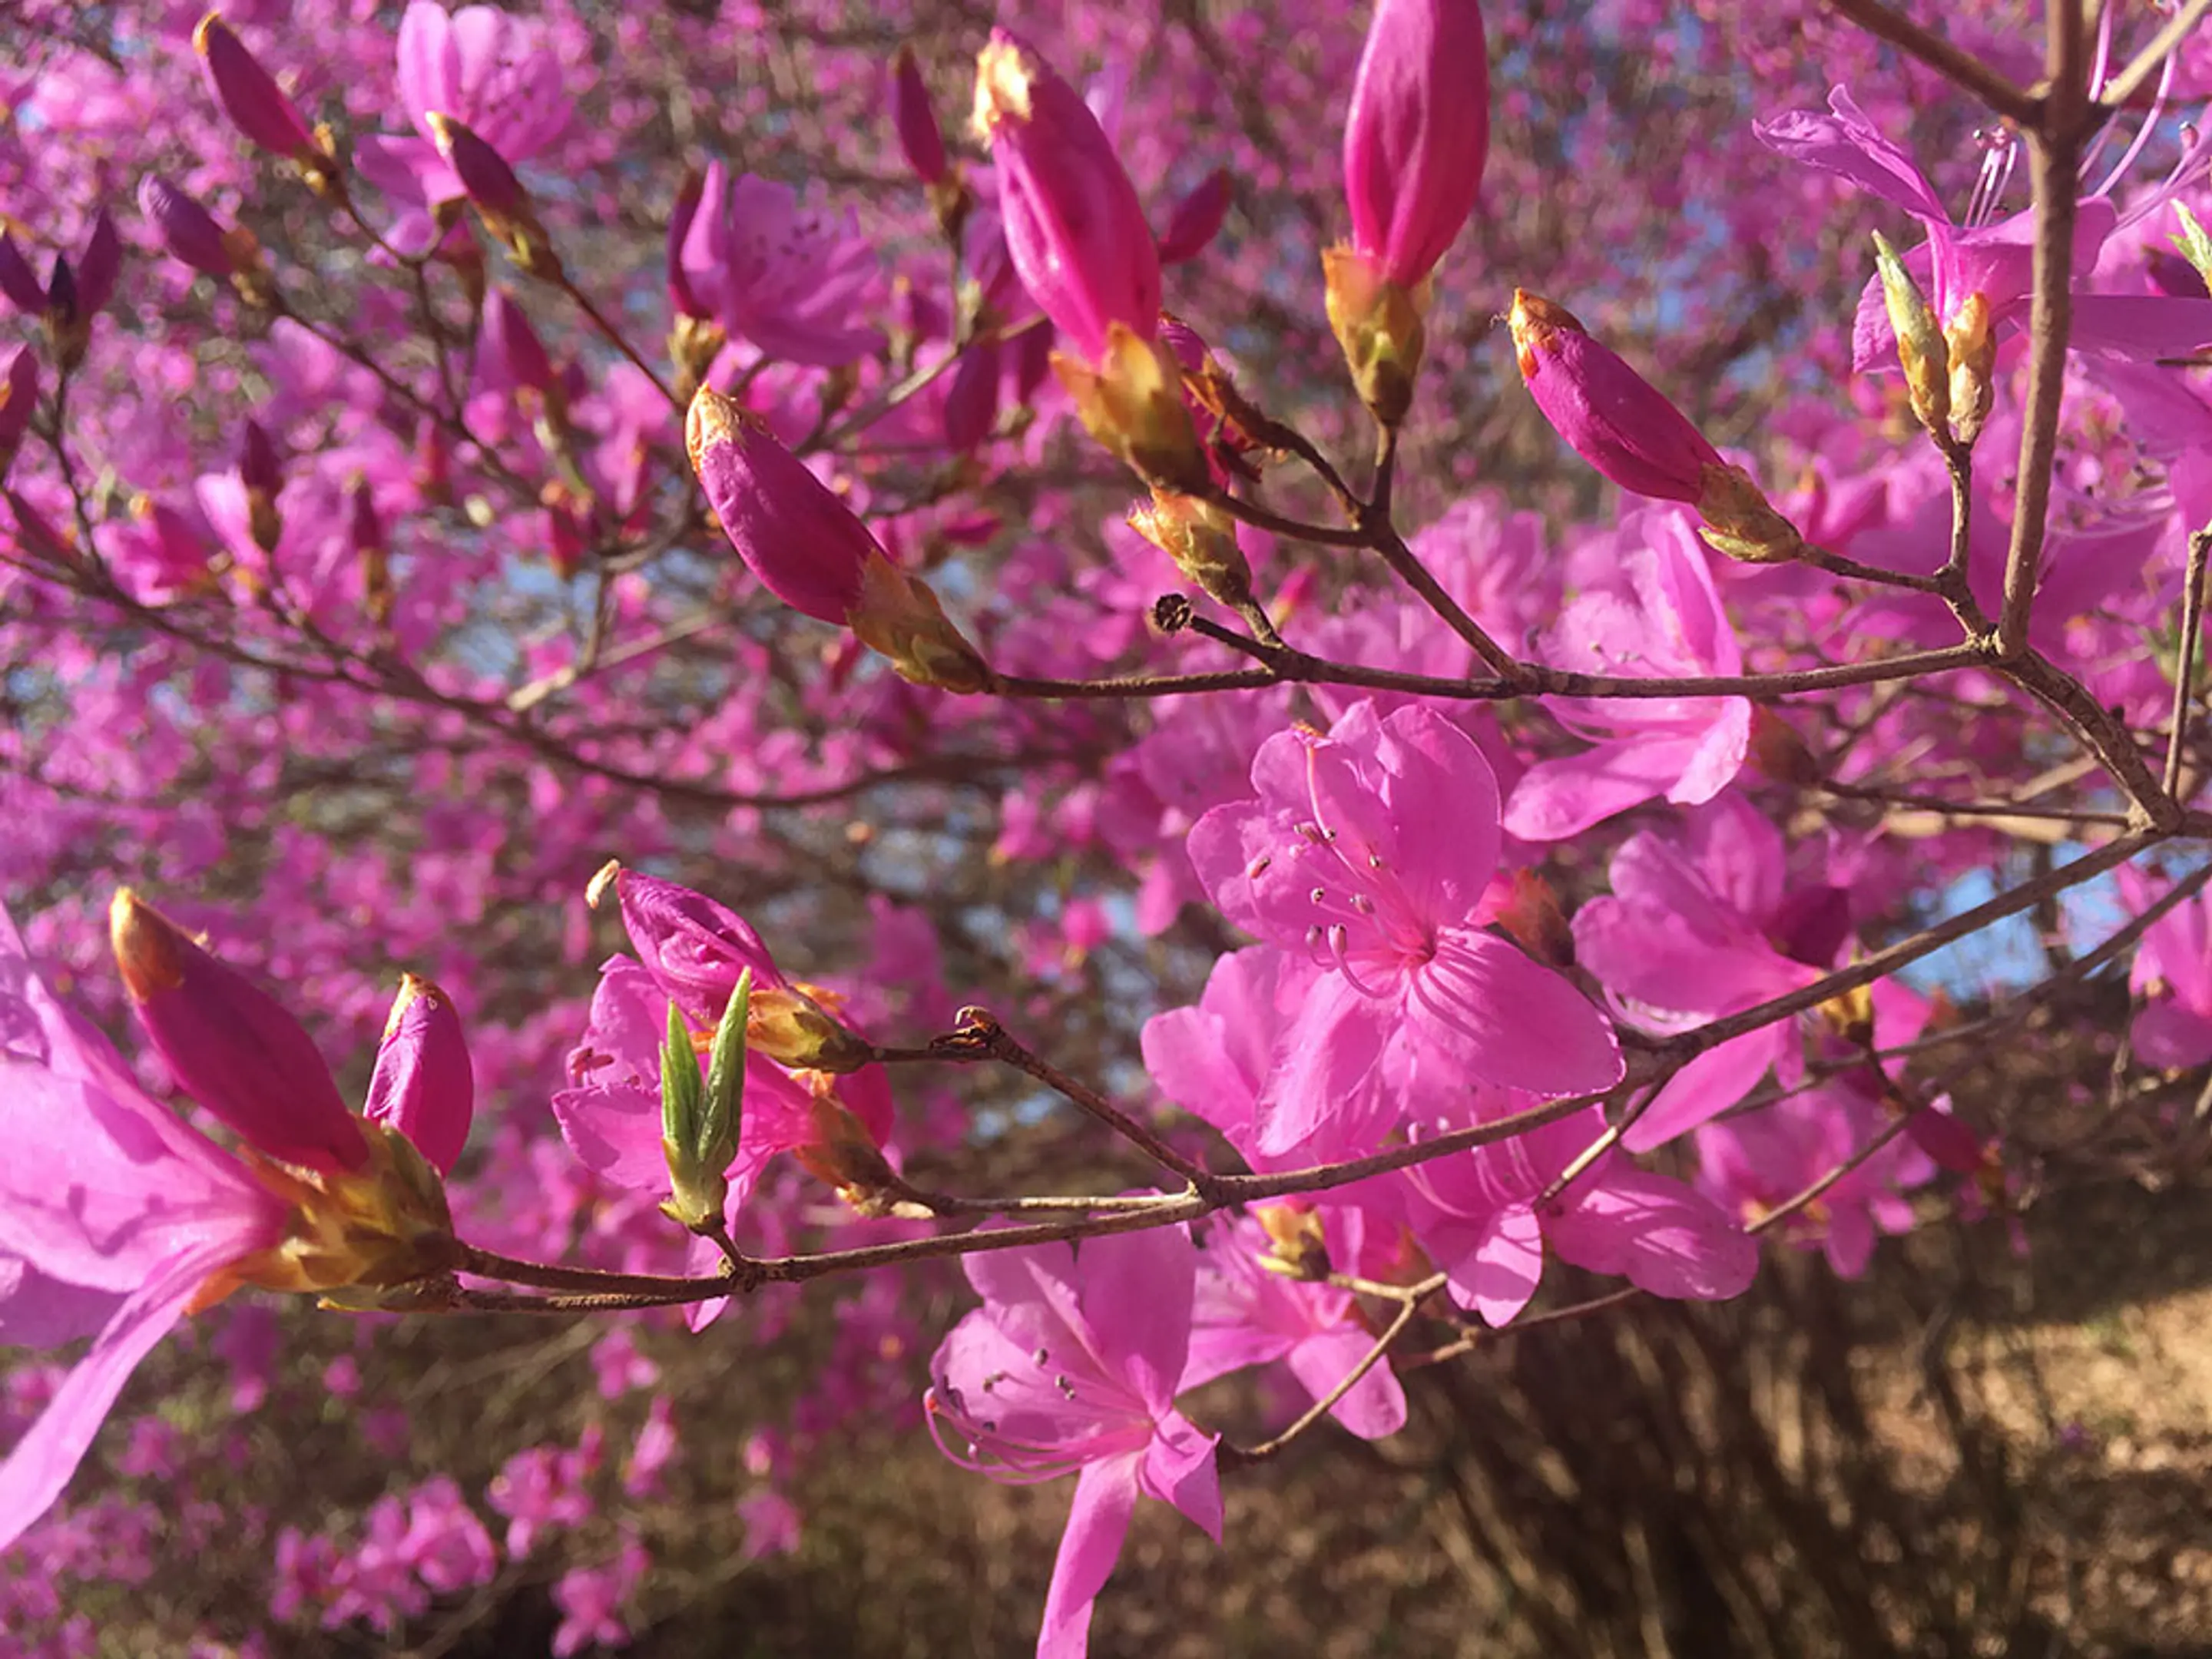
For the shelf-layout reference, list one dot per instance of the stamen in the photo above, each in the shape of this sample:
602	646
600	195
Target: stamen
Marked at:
1338	938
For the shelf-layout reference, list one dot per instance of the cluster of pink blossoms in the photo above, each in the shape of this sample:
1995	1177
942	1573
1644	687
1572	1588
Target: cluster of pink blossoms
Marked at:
1435	1060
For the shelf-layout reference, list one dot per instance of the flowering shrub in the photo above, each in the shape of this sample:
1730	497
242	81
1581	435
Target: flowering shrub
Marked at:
1245	844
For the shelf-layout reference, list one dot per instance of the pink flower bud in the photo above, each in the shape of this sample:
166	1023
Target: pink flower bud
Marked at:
1417	134
188	231
511	347
229	1045
811	551
424	1086
18	281
1073	225
258	468
249	94
682	300
694	947
98	268
1197	219
1608	414
19	394
916	122
971	406
483	172
787	526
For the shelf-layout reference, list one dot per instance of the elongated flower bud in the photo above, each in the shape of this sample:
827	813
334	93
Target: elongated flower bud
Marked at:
188	231
971	405
1609	414
259	470
249	96
1197	218
229	1045
696	950
98	268
809	549
424	1084
1073	225
18	395
511	347
1626	427
192	234
497	194
1417	134
916	120
18	281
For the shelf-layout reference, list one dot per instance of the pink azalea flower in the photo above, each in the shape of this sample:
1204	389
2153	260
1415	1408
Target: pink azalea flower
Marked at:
1369	852
591	1600
787	278
1695	932
488	70
2172	974
1993	257
1071	1367
1477	1217
114	1216
1659	616
1755	1161
1247	1313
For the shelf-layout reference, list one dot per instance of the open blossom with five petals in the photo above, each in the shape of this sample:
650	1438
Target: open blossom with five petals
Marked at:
1071	1367
1370	851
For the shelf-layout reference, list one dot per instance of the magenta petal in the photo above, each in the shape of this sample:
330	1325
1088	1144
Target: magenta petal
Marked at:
1098	1522
1180	1469
40	1464
424	1086
1846	143
1440	798
1557	798
37	1310
1718	756
1709	1085
1664	1237
2141	327
2171	1035
1136	1297
1330	1045
1510	1021
1499	1267
614	1131
1374	1407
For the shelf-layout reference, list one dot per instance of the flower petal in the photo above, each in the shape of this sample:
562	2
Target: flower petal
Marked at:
1098	1522
1509	1021
40	1464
